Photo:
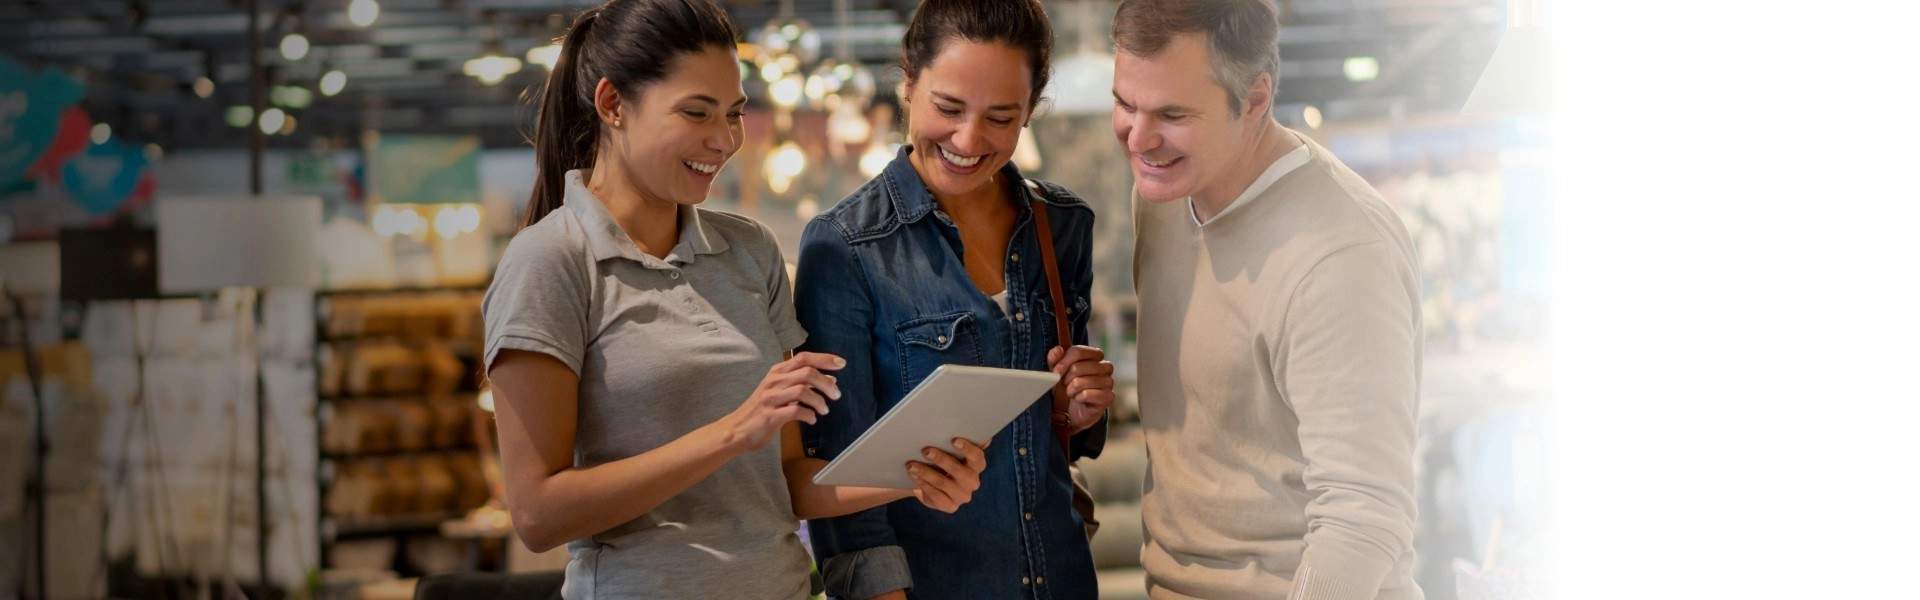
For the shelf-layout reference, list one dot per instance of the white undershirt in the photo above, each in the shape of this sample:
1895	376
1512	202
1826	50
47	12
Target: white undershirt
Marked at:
1001	298
1279	168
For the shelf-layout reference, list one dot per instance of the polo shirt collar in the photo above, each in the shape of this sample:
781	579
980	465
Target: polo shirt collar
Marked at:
607	240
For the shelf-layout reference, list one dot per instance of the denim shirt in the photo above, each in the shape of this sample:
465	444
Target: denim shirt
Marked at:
882	283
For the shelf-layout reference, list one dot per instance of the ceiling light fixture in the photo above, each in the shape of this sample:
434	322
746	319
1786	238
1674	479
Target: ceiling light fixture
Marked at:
363	12
493	65
272	120
290	96
875	159
294	46
333	82
1360	69
545	56
787	91
784	164
492	69
239	116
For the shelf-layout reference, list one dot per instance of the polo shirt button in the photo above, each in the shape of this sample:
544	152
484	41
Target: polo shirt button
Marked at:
673	274
1019	316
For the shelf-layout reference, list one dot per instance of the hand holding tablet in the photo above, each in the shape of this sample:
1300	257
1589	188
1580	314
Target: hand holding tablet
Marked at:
955	402
946	481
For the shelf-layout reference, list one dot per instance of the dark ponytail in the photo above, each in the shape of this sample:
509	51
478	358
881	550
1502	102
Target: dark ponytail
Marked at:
566	128
631	43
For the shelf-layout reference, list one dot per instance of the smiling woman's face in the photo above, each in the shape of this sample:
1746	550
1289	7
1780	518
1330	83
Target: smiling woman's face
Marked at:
684	128
965	114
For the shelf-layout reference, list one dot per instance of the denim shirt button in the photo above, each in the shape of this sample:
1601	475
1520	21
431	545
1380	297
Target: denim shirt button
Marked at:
1023	451
1029	516
1015	257
941	339
1019	316
1026	581
1041	581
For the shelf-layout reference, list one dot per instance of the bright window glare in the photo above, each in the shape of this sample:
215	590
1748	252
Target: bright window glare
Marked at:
1735	325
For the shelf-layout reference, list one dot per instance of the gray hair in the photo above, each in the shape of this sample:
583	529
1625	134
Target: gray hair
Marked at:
1243	37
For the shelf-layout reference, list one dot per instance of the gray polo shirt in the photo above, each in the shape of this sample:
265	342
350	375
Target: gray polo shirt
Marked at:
662	347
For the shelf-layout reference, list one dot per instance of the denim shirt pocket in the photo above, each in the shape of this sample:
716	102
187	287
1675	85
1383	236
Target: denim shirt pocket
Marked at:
1077	312
928	342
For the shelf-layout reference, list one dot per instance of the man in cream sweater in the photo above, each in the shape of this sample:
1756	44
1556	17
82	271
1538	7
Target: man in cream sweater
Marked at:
1279	326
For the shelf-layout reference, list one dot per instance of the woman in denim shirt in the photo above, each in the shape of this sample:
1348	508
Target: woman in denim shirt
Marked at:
936	262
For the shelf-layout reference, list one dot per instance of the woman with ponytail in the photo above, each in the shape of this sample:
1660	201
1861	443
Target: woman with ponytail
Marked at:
639	347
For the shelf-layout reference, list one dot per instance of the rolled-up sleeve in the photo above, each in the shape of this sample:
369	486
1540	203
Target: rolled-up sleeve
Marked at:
1350	369
859	555
538	299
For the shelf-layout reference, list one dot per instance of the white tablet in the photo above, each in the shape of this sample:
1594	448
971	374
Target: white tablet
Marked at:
954	402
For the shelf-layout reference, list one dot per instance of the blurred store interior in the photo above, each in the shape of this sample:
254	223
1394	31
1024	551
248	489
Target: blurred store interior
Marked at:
247	242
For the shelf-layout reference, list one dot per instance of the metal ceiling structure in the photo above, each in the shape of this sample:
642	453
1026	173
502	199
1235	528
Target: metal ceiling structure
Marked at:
141	58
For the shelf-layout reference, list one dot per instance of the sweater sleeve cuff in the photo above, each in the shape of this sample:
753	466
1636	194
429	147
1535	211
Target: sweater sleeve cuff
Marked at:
1331	570
863	574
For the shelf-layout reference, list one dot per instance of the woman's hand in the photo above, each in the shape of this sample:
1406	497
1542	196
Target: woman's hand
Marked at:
1089	379
946	482
792	391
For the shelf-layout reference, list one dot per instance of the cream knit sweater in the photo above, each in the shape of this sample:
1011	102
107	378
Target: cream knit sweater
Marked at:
1279	378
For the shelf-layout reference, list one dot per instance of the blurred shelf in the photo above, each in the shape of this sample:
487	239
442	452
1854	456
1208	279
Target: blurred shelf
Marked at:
341	456
339	527
462	346
376	317
123	580
464	394
400	291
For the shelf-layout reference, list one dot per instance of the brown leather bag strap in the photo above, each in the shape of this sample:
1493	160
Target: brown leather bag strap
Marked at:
1062	423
